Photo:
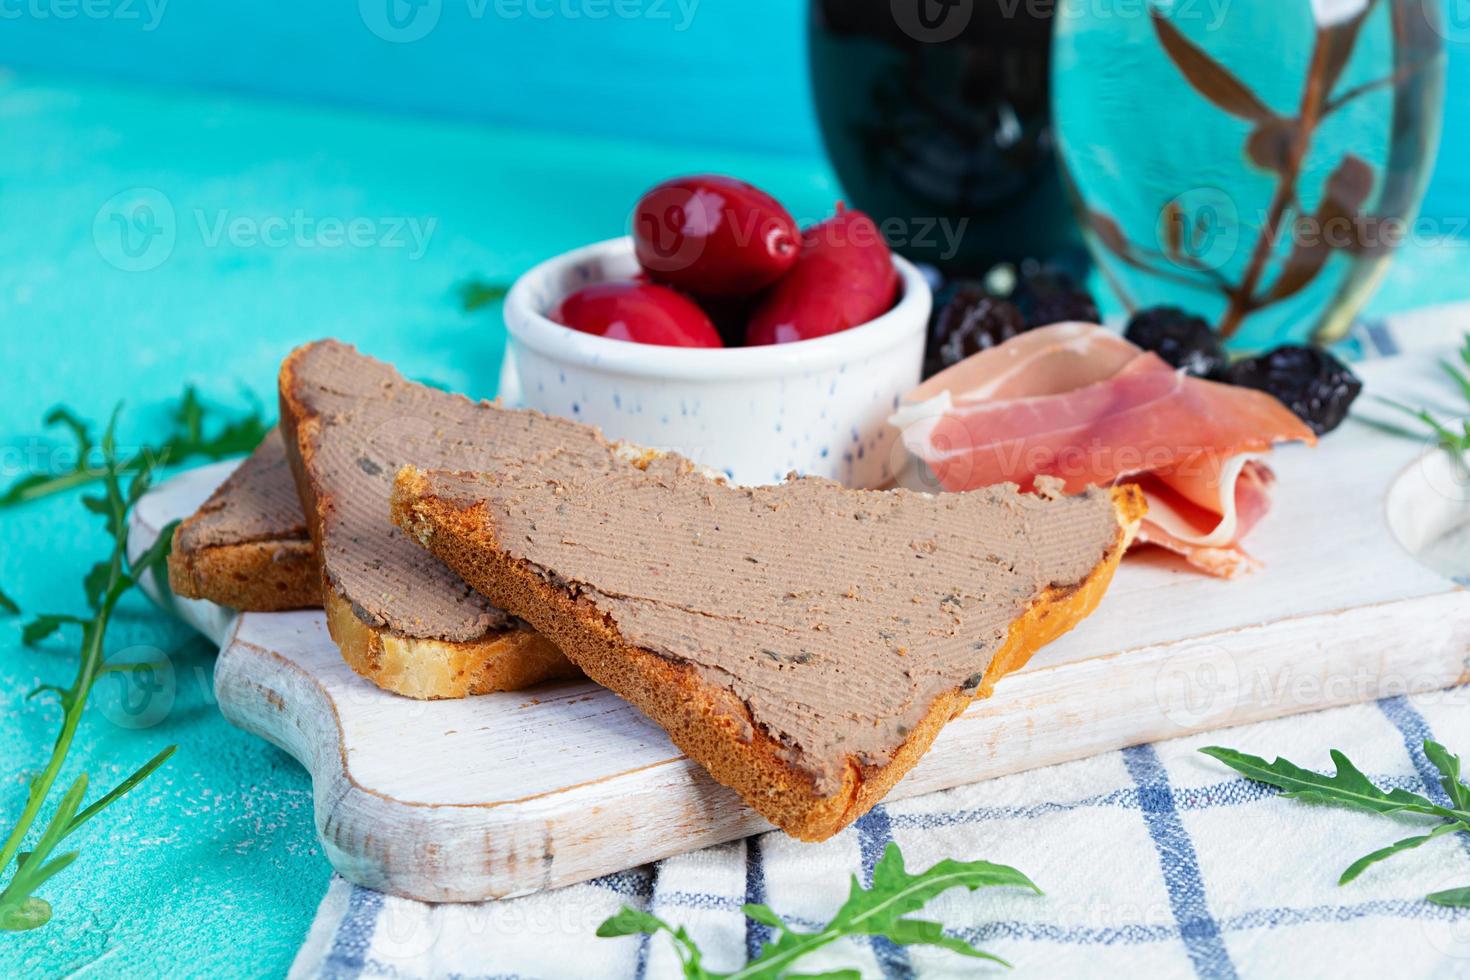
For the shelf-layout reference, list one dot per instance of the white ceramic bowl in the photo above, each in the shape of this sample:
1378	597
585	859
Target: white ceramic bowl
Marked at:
817	407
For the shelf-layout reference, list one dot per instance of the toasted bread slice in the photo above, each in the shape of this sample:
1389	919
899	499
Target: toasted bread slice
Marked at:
431	670
803	642
247	547
401	618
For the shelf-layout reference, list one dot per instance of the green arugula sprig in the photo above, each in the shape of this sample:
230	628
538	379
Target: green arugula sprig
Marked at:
876	911
476	294
1350	788
106	584
1456	443
185	440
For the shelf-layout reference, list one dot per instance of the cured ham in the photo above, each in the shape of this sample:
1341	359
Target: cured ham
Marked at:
1075	402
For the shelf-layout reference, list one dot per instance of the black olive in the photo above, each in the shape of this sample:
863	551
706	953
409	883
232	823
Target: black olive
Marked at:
1183	340
1308	380
1048	295
973	320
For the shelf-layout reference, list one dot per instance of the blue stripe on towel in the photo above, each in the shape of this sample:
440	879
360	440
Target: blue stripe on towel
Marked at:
757	934
1415	731
637	883
875	832
1231	792
1382	337
1198	929
354	935
645	940
1139	933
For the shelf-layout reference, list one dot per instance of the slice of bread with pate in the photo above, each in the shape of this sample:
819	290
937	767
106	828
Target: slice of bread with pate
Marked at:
802	642
401	618
248	547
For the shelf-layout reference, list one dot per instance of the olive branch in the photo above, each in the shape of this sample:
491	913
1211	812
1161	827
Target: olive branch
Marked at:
1277	143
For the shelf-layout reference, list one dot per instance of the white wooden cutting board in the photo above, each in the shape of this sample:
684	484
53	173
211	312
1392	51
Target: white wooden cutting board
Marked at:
513	793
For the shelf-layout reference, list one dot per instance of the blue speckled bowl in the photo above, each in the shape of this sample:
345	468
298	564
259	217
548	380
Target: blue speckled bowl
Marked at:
817	407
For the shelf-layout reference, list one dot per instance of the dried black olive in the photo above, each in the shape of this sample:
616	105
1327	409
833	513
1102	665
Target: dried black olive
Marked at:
1048	295
1183	340
1308	380
973	320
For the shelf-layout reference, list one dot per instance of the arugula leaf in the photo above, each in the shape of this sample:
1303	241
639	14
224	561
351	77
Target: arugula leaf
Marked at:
1454	897
105	585
96	583
633	922
1449	766
121	789
30	913
876	911
628	921
186	439
1461	378
1350	788
56	689
1456	443
7	605
763	914
476	294
1408	843
41	627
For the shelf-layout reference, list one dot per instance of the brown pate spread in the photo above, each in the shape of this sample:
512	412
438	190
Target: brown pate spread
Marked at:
836	616
372	421
257	503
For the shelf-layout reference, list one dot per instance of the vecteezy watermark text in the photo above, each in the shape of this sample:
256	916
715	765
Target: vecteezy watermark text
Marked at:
679	12
300	229
147	13
938	21
137	230
406	21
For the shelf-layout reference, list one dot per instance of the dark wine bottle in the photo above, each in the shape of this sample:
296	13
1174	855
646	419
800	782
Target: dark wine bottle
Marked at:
936	115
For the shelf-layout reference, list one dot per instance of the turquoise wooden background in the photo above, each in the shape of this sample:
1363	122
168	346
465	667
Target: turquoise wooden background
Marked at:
714	72
720	73
517	135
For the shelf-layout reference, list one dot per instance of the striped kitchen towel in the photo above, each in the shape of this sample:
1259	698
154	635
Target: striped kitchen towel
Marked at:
1155	861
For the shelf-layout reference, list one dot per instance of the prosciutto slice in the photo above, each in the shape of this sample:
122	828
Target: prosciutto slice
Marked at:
1078	403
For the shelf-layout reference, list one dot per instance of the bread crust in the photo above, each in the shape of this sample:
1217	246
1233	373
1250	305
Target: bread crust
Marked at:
430	670
504	660
709	723
256	576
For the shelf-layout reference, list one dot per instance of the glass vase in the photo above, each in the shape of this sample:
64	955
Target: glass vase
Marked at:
1256	162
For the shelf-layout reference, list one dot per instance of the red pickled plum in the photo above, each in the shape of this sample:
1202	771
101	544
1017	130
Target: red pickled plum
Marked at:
714	236
845	277
641	312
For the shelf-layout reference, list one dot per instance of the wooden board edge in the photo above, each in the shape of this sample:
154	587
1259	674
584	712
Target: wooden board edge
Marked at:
1210	683
456	852
448	852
